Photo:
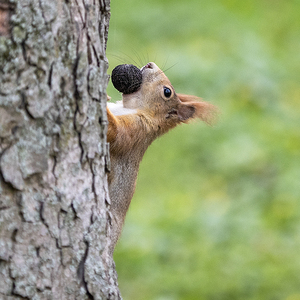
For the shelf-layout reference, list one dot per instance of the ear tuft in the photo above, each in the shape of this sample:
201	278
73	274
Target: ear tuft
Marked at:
192	107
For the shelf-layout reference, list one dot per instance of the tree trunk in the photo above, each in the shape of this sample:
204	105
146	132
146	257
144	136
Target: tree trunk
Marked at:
53	152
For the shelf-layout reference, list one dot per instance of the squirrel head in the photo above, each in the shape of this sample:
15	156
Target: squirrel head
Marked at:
157	97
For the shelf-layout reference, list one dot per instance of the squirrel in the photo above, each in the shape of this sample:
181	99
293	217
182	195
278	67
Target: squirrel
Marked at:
133	124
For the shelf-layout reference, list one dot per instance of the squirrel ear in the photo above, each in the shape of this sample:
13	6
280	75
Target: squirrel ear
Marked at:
185	112
191	107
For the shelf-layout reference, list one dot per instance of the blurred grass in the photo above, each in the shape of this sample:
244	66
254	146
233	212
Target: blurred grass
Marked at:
216	213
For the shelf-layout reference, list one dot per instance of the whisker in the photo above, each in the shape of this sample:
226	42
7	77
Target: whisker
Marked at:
148	58
155	57
170	67
164	71
144	59
130	58
139	58
166	61
117	57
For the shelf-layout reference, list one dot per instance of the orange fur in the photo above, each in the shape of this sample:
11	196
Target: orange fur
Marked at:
131	134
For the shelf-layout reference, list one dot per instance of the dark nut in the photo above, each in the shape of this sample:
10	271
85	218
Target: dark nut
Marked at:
126	78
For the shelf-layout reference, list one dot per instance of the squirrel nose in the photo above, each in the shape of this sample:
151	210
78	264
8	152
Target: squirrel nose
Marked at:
151	65
148	65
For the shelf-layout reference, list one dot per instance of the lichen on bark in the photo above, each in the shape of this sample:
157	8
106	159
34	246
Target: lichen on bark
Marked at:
53	152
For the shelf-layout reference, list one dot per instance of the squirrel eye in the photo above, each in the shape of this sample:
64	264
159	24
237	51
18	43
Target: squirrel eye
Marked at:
167	92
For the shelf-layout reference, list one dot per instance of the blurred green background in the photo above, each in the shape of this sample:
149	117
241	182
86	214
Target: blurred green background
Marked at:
216	213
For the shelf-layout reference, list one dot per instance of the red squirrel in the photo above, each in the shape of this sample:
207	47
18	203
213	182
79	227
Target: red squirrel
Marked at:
134	123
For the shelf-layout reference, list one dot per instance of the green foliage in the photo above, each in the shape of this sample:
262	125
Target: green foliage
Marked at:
216	214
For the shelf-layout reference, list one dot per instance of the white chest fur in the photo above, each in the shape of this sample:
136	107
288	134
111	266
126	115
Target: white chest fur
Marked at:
118	109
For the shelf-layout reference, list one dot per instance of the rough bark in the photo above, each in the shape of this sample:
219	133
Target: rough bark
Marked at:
53	152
